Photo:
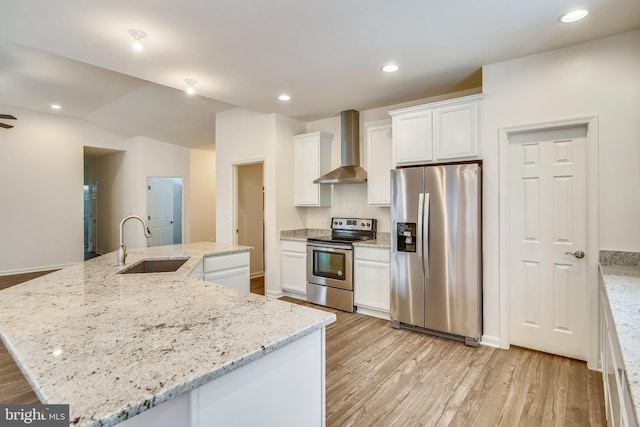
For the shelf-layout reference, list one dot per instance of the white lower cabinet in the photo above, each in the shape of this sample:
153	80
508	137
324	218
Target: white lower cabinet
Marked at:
617	398
230	270
293	262
371	281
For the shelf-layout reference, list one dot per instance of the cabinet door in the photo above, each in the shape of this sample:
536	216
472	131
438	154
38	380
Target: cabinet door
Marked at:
312	158
371	285
413	137
456	132
294	271
378	163
236	278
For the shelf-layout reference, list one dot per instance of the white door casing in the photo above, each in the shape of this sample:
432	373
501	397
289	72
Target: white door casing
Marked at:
548	222
93	216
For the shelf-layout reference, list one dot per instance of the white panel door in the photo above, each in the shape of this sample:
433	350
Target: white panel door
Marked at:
548	223
160	211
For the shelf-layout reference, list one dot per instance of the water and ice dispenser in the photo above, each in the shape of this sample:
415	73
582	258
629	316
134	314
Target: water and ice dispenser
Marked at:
406	236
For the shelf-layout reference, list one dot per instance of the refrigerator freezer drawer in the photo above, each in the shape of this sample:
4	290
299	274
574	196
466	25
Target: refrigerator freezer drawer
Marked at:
330	297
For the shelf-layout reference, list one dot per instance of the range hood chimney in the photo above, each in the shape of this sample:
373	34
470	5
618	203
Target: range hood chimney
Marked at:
350	172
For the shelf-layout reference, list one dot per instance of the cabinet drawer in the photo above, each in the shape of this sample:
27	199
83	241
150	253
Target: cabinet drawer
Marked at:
372	254
293	246
223	262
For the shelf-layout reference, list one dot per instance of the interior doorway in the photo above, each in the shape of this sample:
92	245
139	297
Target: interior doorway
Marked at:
250	216
164	210
549	196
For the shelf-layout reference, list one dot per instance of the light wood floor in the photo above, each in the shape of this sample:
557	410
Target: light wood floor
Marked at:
256	285
380	376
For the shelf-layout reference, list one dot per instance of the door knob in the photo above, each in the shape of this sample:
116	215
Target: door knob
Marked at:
577	254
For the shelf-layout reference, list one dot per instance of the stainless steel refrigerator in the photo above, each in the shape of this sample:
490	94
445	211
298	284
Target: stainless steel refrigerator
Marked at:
436	250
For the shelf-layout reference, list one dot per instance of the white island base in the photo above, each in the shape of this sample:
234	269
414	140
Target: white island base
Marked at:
254	394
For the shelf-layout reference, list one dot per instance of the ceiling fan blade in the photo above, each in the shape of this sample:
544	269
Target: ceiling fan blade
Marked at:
7	116
6	126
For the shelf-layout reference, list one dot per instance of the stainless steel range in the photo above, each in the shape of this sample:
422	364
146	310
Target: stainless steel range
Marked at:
330	262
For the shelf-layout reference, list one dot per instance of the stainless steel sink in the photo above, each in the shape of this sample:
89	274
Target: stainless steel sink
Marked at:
155	266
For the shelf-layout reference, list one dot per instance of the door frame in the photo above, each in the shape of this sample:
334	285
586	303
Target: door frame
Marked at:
234	184
592	250
236	210
182	197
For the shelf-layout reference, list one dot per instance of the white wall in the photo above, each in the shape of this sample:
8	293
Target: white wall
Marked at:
146	157
243	137
203	195
41	187
599	78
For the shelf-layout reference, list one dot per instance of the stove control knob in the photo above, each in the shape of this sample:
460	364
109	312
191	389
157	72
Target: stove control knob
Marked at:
340	222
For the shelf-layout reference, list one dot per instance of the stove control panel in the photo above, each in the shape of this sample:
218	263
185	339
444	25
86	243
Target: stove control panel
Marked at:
356	224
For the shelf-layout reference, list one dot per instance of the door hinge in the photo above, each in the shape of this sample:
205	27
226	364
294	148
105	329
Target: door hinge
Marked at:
148	187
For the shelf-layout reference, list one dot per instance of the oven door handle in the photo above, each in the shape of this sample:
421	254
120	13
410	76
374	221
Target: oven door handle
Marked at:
330	248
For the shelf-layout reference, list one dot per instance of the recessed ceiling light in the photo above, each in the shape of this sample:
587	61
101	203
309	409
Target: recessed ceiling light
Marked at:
138	36
573	16
56	107
390	68
284	97
190	89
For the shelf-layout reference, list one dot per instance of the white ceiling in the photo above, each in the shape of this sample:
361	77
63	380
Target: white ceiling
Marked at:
326	54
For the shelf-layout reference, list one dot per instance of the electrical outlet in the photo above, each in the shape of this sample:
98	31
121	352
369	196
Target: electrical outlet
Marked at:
323	222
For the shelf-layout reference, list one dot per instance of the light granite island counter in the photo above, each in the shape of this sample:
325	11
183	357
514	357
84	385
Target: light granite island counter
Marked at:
165	349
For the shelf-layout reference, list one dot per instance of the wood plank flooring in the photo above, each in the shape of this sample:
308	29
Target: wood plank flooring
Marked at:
256	285
380	376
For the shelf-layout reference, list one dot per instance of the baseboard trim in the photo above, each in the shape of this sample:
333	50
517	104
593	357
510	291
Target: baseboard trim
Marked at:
35	269
368	311
490	341
276	295
296	295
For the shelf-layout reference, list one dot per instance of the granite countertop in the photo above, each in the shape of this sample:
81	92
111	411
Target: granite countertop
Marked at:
621	274
113	345
301	235
382	240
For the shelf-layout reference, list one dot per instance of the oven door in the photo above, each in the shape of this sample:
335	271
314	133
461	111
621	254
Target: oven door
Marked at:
330	266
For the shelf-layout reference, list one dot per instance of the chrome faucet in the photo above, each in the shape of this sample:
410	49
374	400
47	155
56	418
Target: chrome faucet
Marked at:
122	249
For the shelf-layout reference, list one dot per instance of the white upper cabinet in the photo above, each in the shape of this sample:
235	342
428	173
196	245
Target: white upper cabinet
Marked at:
413	135
455	132
312	158
378	162
438	132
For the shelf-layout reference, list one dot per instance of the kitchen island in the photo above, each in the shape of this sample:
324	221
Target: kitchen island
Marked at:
173	349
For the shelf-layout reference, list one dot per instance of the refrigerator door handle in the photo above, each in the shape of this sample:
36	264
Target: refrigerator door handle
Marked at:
425	236
420	242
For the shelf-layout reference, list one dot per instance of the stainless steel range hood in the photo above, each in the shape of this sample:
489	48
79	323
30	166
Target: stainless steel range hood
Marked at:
350	172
